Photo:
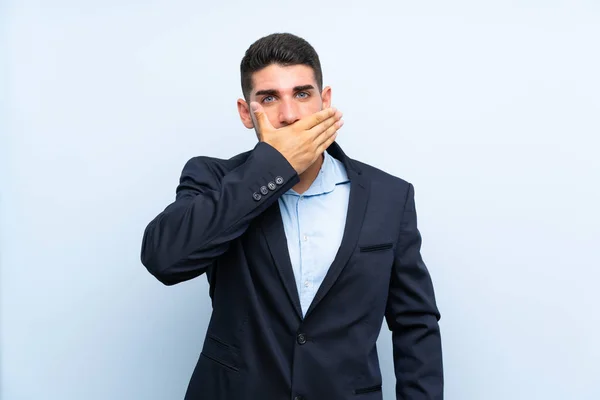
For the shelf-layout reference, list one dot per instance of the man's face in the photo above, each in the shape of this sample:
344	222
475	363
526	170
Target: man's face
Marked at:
287	94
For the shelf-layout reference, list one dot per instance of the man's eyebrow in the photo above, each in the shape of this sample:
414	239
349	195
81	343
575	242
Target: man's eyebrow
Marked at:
303	87
273	92
268	92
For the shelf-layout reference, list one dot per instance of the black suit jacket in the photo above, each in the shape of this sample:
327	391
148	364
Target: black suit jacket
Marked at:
225	223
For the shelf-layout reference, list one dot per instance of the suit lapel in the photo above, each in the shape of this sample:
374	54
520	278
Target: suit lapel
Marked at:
272	227
359	196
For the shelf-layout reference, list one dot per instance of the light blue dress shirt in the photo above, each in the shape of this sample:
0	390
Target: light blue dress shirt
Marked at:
314	223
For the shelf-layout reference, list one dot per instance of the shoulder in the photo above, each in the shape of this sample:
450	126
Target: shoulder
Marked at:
379	177
390	188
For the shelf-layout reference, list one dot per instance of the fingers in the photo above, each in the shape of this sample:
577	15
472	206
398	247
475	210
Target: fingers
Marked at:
336	118
327	143
316	118
328	135
261	120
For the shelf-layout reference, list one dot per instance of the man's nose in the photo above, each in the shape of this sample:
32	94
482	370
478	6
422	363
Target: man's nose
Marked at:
288	113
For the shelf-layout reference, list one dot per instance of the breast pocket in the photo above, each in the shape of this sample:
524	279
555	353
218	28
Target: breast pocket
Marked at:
376	247
374	259
376	389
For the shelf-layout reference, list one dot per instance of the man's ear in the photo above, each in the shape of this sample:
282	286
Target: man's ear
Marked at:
245	113
326	97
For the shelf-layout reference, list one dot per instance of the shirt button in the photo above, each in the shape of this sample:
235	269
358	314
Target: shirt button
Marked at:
301	338
264	190
305	238
256	196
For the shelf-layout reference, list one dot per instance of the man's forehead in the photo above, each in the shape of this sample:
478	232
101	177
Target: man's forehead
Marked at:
284	88
275	77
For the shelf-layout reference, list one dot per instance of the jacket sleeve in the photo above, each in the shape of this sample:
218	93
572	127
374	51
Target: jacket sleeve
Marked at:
412	316
211	209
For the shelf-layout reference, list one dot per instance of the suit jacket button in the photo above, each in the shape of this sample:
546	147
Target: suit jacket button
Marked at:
272	185
257	196
264	190
301	338
279	180
299	398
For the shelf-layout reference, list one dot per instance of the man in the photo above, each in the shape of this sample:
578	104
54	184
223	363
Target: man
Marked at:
306	251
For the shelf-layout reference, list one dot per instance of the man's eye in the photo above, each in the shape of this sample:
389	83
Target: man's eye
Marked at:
303	95
268	99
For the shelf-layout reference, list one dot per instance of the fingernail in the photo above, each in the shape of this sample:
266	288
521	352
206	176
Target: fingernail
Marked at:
253	106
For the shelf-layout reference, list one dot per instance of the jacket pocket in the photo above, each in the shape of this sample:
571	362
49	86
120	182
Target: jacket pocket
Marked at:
376	247
221	363
370	389
220	352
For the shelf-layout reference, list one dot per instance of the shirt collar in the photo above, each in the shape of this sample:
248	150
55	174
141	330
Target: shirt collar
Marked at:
331	174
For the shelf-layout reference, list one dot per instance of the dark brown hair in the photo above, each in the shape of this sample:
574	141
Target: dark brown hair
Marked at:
284	49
